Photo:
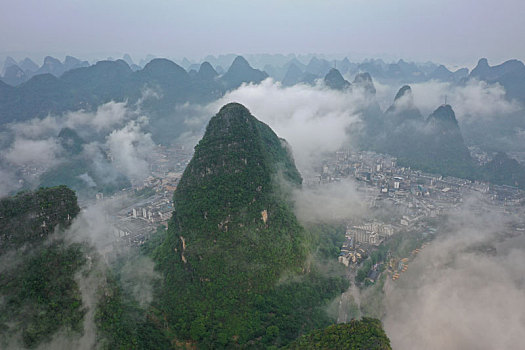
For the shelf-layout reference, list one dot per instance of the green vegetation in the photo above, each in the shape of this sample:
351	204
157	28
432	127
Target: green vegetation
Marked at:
145	192
41	295
296	306
399	246
122	324
503	170
155	240
435	145
376	256
239	270
403	243
38	291
327	239
29	217
364	334
79	173
232	240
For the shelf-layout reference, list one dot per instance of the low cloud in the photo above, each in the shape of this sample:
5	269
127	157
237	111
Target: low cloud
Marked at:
148	94
474	101
88	180
106	117
331	202
113	127
466	290
95	225
138	276
40	153
130	147
104	170
37	128
8	182
313	119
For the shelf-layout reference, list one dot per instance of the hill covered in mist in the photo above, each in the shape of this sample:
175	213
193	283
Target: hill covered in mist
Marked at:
38	291
233	240
237	269
169	103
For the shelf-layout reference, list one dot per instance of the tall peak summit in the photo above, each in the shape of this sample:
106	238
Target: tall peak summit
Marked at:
403	108
483	62
232	228
335	80
240	72
444	114
365	81
206	71
406	90
239	62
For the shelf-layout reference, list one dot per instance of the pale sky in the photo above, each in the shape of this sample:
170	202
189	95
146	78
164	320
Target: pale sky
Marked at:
448	31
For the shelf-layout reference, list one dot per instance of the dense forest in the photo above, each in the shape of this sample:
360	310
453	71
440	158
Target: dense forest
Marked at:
236	268
364	334
29	217
232	238
39	294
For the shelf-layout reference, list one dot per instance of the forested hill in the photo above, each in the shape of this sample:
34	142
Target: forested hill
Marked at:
39	295
239	270
56	293
233	235
357	334
29	217
232	170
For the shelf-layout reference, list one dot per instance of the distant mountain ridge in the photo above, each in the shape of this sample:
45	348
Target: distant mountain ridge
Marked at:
434	144
26	68
509	74
241	72
334	80
504	170
88	87
104	81
400	71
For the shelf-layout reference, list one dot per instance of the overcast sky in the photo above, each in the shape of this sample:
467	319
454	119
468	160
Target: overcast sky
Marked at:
448	31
